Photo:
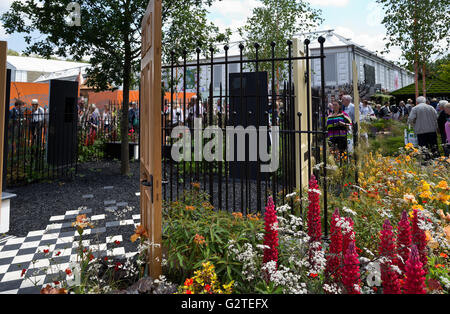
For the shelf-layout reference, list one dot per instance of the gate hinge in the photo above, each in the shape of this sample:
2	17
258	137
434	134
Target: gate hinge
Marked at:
149	184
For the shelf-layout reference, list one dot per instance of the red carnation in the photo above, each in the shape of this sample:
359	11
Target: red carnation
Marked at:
334	257
419	239
350	272
415	275
403	241
271	234
387	249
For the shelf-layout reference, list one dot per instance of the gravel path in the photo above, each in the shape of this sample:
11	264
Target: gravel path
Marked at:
36	203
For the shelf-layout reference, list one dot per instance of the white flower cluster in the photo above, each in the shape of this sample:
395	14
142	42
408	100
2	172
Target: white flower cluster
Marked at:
349	211
248	257
332	288
315	191
345	226
286	278
283	209
292	195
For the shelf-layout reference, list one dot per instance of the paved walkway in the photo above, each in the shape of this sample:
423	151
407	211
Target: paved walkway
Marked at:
114	222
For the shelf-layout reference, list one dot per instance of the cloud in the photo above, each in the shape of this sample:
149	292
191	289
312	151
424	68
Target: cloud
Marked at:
374	43
376	14
330	3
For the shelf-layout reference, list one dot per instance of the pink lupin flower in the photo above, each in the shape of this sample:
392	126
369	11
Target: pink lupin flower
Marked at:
389	277
351	277
415	275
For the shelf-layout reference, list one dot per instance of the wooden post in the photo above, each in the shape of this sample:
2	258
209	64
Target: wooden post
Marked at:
301	106
3	54
356	99
150	124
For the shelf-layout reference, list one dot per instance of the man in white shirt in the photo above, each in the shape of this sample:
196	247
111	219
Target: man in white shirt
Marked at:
366	110
349	107
37	122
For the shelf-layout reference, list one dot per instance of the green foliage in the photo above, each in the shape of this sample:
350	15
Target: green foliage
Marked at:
276	21
194	234
13	53
416	27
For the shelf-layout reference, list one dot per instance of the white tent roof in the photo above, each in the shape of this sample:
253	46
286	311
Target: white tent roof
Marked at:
31	64
67	75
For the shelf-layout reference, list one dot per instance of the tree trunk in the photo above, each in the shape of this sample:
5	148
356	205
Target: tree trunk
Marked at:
424	80
416	77
125	157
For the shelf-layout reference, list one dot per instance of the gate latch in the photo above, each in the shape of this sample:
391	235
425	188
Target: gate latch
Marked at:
149	184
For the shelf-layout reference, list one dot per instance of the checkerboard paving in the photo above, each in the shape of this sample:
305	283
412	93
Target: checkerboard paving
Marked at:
45	254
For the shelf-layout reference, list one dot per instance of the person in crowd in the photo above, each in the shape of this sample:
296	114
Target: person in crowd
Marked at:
395	112
338	126
385	112
366	110
17	118
409	105
133	117
37	122
443	117
376	110
434	102
424	119
107	120
403	110
447	130
93	122
349	107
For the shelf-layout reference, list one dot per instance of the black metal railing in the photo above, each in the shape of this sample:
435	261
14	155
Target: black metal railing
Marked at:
236	186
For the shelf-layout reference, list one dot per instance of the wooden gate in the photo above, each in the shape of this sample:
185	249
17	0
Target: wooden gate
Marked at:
3	53
150	151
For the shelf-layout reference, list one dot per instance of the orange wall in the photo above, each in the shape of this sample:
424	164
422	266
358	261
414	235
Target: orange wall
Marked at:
101	99
29	91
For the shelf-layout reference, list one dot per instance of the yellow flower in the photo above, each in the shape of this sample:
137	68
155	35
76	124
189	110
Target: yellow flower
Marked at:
409	146
425	194
417	207
443	185
82	222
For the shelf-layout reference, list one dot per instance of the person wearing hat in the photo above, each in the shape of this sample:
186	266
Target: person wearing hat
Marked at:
434	102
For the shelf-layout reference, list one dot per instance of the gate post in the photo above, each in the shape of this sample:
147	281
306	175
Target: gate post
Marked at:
3	54
301	103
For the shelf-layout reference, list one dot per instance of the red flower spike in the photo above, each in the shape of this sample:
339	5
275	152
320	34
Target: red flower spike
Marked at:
403	241
419	239
271	233
415	275
351	277
387	248
334	257
314	219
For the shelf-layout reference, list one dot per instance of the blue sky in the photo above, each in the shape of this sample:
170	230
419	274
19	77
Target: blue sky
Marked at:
355	19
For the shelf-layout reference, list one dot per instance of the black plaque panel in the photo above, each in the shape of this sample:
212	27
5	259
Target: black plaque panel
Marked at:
248	107
62	135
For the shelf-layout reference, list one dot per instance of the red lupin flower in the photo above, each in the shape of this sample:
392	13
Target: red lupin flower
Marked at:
389	277
334	257
415	275
271	233
351	277
419	239
403	241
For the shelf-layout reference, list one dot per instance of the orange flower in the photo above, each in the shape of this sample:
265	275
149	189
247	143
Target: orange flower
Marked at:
200	240
139	232
237	215
439	266
253	217
196	185
190	208
443	255
189	282
82	222
50	290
